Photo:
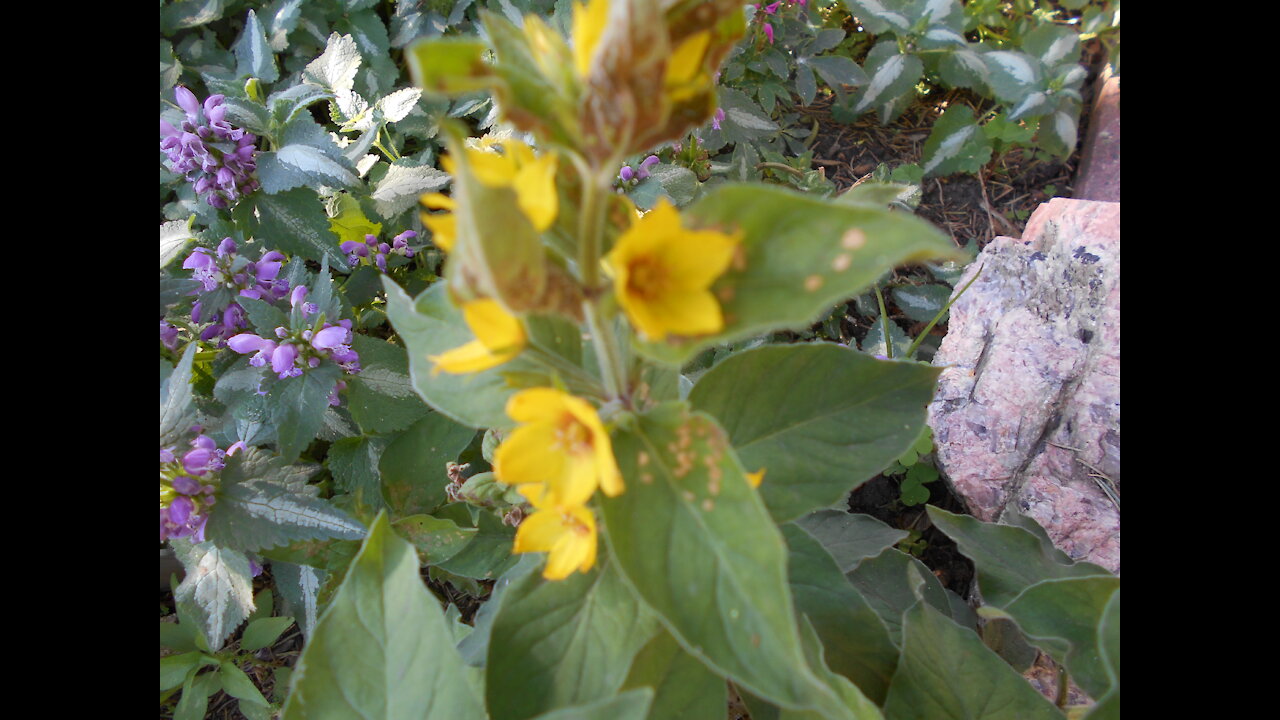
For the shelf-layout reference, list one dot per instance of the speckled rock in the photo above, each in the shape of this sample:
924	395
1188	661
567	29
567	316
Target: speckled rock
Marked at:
1027	413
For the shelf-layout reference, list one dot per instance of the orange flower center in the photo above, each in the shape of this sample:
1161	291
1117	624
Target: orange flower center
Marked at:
573	437
647	278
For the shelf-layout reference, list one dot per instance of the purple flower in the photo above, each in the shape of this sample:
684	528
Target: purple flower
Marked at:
331	338
772	8
282	361
645	165
215	157
168	335
298	295
717	119
768	30
187	485
626	174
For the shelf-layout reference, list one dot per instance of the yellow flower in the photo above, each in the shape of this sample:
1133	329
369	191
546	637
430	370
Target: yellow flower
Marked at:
756	477
567	533
685	77
560	453
499	338
588	27
532	178
662	274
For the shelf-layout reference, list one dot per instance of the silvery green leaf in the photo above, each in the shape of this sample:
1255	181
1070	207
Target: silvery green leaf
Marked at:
400	187
282	17
1052	44
299	585
942	12
889	79
176	412
679	183
1074	75
1033	105
838	71
217	590
398	104
173	238
190	13
170	66
253	54
1012	74
1058	133
940	36
295	165
963	68
336	67
286	104
247	114
877	18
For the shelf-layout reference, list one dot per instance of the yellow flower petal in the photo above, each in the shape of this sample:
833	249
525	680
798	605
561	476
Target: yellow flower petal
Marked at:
588	27
562	444
685	76
688	313
444	229
491	168
568	534
535	185
755	478
529	456
499	338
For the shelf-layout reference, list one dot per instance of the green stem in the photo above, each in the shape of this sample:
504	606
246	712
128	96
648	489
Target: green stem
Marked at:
911	350
780	166
884	318
590	240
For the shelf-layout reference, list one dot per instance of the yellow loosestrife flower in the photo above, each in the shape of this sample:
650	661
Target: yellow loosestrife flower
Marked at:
588	27
532	178
756	477
499	338
560	453
662	274
685	77
568	534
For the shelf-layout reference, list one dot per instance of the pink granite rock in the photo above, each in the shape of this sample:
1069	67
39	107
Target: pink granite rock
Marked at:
1027	413
1098	177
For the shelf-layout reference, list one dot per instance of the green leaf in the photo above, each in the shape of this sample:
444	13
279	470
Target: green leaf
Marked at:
450	66
217	591
682	686
435	539
1108	705
850	537
1012	75
880	16
263	503
892	582
294	222
695	541
190	13
286	104
400	188
1008	559
381	398
174	236
238	685
799	255
889	77
922	302
956	144
488	555
874	343
679	183
253	52
382	649
174	668
838	71
296	407
630	705
297	165
1052	44
431	325
176	411
336	67
354	464
1058	132
195	695
558	643
263	315
821	419
413	465
299	586
1069	609
263	632
946	672
856	640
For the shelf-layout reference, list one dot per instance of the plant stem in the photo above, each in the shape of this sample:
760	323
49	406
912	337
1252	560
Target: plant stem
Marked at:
884	317
590	240
780	166
911	350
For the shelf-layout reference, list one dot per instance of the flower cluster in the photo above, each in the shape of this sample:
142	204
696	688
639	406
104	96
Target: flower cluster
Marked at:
216	157
187	486
556	459
293	352
373	252
224	268
642	172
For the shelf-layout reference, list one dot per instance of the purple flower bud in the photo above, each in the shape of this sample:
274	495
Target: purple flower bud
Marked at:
310	308
180	510
282	360
255	568
627	173
166	455
768	30
235	448
717	118
197	461
226	247
245	343
345	323
298	295
167	130
273	256
188	102
313	362
331	337
370	240
349	246
772	8
186	485
199	259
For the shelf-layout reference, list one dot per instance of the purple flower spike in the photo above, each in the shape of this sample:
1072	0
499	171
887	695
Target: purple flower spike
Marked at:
772	8
214	156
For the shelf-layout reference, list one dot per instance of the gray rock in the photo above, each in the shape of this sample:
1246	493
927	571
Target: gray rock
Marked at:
1027	413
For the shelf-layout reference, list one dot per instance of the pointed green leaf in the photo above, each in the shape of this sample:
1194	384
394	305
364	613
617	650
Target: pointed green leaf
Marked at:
1008	559
382	649
947	674
695	541
488	555
435	539
1108	705
557	643
354	464
821	419
889	77
1011	74
838	72
630	705
174	236
176	410
253	54
263	632
174	668
400	188
381	398
299	585
799	255
336	67
956	144
294	222
683	688
850	537
238	685
296	407
856	641
217	591
413	465
1070	609
450	66
297	165
892	582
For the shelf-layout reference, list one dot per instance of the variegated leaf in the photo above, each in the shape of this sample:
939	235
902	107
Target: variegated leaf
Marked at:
218	588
